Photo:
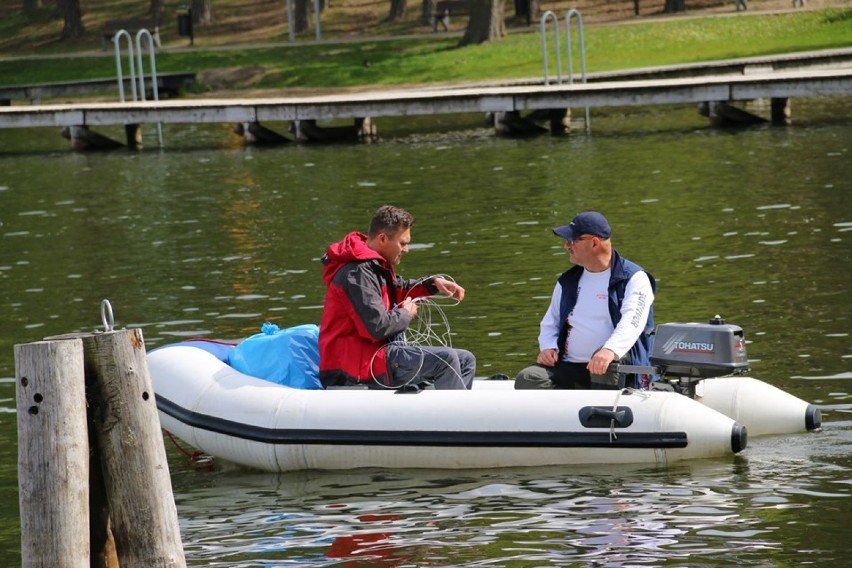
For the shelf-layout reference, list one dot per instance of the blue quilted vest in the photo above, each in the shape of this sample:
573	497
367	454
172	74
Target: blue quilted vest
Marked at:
622	271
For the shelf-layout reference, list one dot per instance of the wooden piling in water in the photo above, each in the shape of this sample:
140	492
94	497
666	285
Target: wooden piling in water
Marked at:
781	113
125	491
143	516
53	454
133	135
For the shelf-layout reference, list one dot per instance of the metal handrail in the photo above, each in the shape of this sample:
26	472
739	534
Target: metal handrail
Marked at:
572	13
116	40
152	60
544	18
568	16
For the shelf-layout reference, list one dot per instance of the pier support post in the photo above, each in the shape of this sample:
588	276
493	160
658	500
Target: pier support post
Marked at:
84	139
53	454
560	120
256	133
133	134
365	129
133	458
309	131
781	112
721	113
512	124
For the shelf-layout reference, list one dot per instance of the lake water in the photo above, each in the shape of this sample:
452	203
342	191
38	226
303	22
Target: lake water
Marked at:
207	238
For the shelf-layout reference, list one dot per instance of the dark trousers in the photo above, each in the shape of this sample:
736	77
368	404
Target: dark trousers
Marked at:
445	367
565	375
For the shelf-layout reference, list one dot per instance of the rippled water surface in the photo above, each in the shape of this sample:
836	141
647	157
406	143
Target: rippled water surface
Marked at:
208	238
782	504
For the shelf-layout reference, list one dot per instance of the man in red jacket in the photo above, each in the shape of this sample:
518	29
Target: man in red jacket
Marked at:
368	307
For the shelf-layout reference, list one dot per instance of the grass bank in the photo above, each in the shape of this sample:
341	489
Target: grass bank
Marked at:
243	21
433	58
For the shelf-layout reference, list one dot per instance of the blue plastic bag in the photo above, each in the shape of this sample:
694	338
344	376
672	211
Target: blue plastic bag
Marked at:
288	356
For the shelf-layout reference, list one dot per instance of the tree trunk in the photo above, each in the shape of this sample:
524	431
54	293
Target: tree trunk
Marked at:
397	10
486	22
530	10
202	13
673	6
300	18
157	7
69	10
31	7
534	12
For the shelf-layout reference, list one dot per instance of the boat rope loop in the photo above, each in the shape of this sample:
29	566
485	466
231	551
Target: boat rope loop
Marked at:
615	416
612	435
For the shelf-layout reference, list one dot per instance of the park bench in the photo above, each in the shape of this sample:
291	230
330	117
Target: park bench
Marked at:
440	11
169	86
132	25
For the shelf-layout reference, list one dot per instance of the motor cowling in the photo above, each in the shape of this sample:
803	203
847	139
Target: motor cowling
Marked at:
700	350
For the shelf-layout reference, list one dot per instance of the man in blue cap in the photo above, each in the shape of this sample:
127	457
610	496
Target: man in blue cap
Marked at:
601	311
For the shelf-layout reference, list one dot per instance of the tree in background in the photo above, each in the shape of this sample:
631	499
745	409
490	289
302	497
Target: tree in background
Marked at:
69	10
300	17
31	7
157	8
670	6
202	13
486	22
397	10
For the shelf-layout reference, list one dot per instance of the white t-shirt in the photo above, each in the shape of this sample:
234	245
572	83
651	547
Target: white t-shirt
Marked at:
591	326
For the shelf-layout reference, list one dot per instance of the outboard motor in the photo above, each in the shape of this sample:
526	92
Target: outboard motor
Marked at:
691	352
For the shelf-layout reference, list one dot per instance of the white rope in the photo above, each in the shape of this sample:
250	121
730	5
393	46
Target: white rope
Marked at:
629	391
612	434
430	328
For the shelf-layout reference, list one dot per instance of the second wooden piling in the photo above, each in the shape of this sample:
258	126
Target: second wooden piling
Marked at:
136	473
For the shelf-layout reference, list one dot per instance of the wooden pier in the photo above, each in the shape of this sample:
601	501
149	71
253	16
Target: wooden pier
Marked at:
714	92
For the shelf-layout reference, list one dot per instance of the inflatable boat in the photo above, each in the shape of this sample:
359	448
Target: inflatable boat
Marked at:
260	424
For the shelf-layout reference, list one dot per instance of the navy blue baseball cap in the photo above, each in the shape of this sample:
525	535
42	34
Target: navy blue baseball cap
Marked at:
586	223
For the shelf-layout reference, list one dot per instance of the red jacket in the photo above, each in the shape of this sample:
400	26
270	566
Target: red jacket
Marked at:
360	315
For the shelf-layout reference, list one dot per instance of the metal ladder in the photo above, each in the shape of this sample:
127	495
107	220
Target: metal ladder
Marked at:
140	92
572	13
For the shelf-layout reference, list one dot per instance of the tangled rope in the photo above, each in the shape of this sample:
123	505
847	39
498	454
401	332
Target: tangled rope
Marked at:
430	328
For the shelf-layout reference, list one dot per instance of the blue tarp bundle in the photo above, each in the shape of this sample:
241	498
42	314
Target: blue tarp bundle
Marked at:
288	356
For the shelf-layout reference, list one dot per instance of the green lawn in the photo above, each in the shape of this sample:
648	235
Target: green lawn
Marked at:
437	59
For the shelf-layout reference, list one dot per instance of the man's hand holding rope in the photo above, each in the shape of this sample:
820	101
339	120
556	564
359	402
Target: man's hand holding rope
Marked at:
449	288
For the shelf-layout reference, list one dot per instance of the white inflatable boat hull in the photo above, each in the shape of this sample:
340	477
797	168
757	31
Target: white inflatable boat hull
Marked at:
263	425
762	408
758	406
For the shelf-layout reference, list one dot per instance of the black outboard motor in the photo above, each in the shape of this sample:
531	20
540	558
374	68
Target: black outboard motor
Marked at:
691	352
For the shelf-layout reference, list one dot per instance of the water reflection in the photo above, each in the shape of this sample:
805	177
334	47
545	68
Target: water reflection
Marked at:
726	512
